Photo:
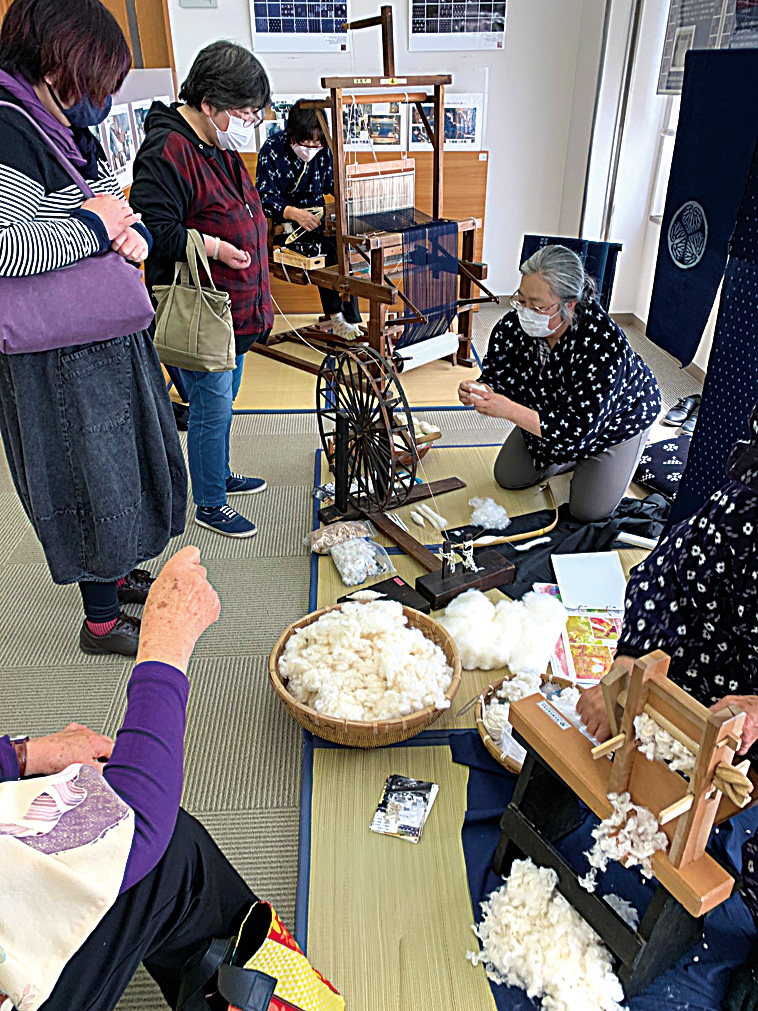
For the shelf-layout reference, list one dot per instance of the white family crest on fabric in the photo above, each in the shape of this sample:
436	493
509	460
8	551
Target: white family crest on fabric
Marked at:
64	844
688	235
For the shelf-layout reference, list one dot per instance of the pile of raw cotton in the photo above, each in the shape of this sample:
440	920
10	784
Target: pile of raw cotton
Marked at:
532	938
657	744
365	663
518	634
630	834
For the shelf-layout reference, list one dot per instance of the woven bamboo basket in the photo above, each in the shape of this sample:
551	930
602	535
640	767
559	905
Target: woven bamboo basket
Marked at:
375	733
507	761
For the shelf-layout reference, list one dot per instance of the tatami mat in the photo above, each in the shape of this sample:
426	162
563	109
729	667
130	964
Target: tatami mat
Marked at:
388	921
243	751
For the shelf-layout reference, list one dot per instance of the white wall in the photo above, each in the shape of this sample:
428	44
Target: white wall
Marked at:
533	128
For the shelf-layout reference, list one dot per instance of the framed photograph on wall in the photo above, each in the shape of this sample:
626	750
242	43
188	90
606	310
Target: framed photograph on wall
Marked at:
381	126
117	138
437	26
464	124
299	26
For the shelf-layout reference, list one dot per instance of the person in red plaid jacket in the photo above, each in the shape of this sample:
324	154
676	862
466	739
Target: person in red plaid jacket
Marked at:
188	174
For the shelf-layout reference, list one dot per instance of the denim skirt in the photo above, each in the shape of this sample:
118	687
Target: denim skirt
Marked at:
92	446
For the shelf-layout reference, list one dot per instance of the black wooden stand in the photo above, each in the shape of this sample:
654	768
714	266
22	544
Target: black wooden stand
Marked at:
543	810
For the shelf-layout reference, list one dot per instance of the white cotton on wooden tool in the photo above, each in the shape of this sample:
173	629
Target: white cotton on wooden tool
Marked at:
418	519
630	834
437	521
534	939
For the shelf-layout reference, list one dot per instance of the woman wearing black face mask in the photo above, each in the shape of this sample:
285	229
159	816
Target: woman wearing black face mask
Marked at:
88	430
294	172
563	372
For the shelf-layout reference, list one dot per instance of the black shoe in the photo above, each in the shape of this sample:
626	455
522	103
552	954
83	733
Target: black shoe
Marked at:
136	587
681	410
123	638
181	416
689	424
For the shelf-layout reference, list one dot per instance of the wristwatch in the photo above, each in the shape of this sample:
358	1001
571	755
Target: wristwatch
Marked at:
19	745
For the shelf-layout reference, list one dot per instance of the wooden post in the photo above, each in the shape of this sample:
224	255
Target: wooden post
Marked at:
614	682
377	310
465	290
639	685
438	143
388	42
338	159
693	830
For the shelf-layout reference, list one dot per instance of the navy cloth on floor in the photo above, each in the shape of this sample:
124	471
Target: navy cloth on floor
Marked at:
715	141
689	985
645	517
662	464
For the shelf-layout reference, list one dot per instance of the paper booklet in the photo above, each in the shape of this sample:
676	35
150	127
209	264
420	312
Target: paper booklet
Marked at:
404	808
587	646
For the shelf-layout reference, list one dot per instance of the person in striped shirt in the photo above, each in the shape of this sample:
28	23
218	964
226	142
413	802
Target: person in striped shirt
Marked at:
88	430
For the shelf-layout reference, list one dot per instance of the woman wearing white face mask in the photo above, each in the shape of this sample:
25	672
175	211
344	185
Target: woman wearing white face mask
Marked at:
564	373
293	174
188	174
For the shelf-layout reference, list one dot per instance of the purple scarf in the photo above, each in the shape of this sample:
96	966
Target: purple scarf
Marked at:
63	136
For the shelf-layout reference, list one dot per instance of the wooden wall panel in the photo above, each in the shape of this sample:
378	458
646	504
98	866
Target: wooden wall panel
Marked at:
465	194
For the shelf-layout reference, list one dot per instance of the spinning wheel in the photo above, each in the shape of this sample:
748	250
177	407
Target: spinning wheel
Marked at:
373	456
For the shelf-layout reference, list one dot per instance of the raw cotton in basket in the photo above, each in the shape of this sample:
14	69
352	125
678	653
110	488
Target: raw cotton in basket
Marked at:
517	634
365	663
532	938
629	834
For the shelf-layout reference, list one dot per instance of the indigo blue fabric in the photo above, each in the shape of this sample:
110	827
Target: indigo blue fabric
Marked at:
690	985
715	143
599	259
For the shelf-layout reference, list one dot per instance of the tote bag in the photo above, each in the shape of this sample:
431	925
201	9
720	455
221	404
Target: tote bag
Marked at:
193	324
95	299
261	969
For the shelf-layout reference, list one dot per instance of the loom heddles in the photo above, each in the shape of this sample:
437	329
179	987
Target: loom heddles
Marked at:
382	188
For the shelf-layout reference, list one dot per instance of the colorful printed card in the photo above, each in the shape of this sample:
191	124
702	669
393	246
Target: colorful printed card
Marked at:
587	647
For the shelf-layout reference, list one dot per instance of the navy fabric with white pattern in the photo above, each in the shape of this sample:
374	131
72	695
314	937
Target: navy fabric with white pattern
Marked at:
592	393
696	597
662	464
284	180
731	384
715	142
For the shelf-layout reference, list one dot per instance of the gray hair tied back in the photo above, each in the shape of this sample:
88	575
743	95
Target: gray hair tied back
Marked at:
562	269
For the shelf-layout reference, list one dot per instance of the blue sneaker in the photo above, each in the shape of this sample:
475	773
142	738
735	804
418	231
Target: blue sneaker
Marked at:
225	520
238	484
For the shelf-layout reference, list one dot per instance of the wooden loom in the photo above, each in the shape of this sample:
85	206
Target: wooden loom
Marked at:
379	254
562	767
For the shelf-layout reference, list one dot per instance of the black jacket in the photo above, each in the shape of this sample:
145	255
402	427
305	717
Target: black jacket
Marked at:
181	182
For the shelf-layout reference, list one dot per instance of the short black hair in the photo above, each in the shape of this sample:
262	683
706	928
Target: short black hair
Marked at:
77	44
303	124
226	76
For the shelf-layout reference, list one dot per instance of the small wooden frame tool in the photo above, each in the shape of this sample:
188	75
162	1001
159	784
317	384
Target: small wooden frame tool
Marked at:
560	769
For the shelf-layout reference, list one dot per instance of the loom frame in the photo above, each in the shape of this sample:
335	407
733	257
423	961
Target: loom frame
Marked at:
378	247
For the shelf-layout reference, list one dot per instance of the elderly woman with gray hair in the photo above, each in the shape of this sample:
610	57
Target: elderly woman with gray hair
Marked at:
563	372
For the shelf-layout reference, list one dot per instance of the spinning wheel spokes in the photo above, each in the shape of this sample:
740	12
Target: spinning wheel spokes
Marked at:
364	387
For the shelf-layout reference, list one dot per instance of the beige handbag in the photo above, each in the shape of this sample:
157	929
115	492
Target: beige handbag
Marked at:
193	324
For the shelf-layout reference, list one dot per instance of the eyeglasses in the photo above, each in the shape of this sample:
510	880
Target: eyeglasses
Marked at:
546	310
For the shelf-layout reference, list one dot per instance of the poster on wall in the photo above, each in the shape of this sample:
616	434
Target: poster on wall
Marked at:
140	110
464	124
299	26
278	111
381	125
117	139
704	24
466	24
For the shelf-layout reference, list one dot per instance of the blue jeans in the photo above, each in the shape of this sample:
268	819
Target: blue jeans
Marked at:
211	395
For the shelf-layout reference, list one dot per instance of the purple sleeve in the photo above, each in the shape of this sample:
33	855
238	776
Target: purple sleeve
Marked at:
8	760
146	768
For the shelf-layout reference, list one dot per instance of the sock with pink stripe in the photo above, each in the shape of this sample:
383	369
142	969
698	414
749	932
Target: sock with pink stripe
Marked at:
101	627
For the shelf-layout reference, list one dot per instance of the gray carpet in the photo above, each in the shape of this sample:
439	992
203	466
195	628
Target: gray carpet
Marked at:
249	798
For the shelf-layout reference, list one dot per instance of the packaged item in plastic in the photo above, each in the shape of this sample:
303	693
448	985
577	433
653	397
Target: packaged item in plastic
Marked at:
488	514
359	559
322	540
